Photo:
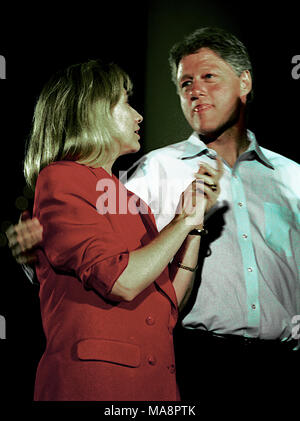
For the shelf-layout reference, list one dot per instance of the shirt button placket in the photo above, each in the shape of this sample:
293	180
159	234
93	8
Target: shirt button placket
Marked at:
246	246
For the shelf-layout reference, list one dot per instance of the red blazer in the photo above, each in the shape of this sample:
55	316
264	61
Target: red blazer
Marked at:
98	349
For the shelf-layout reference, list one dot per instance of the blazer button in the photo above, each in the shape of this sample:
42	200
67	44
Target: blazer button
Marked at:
151	360
150	320
172	368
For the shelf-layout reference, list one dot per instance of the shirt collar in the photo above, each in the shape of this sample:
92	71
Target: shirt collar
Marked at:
195	147
256	149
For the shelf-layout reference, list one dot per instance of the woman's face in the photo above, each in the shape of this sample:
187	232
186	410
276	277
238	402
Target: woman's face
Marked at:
127	121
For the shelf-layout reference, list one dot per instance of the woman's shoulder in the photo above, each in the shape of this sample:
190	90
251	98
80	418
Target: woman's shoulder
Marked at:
66	174
70	170
71	177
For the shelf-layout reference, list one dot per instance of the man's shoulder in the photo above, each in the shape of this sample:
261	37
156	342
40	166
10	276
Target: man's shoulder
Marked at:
280	161
156	162
174	150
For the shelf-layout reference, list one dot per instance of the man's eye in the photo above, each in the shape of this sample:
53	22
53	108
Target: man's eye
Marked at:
186	83
209	76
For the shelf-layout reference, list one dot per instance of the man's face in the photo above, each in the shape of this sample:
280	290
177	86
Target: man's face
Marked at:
210	92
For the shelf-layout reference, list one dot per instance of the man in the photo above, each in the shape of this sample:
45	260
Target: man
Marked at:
239	322
238	334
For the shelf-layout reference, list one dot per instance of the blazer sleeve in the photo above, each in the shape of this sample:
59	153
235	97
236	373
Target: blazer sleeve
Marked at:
76	238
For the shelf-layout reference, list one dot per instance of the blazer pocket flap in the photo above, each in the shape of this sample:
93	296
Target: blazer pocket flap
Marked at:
110	351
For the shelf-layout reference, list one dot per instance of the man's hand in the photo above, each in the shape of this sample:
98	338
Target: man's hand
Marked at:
23	238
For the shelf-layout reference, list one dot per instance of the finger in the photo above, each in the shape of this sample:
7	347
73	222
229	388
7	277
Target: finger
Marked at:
26	258
198	192
28	240
25	215
220	167
190	196
211	190
11	236
206	169
211	197
29	233
209	181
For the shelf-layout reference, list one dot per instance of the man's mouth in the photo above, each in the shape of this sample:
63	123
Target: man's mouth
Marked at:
202	107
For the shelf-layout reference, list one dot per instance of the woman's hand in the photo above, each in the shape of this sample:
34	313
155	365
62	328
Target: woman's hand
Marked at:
211	181
200	195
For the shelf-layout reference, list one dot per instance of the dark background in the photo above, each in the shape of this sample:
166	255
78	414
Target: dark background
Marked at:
36	42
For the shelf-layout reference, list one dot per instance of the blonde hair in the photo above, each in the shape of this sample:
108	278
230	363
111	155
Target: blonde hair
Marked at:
72	118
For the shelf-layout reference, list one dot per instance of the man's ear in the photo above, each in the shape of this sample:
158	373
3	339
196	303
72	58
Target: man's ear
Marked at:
245	84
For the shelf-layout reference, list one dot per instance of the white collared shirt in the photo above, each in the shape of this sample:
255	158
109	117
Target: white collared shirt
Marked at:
249	263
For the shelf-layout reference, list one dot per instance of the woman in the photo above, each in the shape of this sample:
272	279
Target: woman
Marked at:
108	298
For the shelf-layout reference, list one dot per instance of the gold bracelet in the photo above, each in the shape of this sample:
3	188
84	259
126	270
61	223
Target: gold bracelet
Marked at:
180	265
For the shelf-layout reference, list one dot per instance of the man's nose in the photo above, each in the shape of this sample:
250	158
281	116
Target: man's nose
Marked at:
197	90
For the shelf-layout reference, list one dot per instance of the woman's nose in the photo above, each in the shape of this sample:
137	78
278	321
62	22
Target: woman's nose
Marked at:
139	118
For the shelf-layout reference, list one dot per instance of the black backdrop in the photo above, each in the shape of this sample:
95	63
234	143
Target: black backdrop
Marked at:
37	41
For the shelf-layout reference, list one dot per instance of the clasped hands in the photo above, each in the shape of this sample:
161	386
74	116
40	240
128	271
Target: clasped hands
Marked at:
201	194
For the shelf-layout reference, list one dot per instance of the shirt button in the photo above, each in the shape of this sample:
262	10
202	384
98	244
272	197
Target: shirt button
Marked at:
151	360
150	320
211	153
245	236
250	270
240	204
253	306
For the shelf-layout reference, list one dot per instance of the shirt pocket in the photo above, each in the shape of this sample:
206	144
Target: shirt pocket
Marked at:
278	222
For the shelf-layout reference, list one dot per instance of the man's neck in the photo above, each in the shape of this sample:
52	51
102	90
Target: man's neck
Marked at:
230	145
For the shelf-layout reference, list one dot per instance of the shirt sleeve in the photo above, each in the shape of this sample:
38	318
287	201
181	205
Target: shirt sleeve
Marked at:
76	238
